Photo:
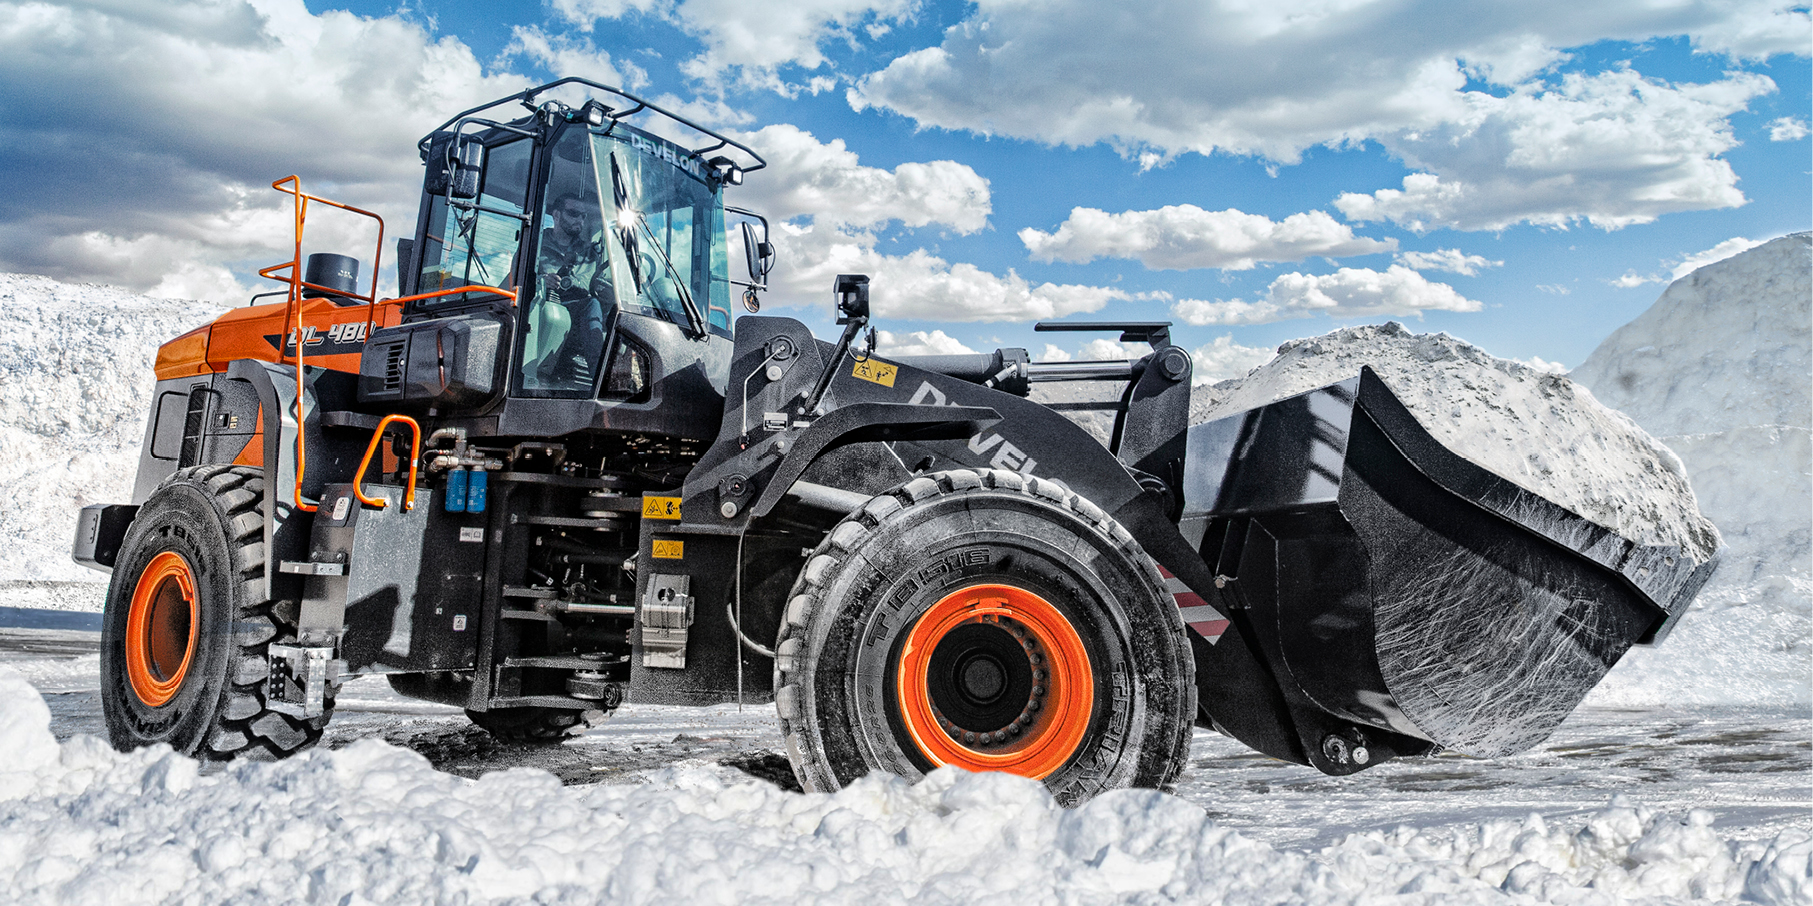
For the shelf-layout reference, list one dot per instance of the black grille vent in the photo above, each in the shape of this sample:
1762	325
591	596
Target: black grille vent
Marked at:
393	367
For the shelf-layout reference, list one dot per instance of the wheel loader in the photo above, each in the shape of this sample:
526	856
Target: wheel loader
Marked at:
553	475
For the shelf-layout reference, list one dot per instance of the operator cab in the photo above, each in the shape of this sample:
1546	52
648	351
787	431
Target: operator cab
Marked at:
613	240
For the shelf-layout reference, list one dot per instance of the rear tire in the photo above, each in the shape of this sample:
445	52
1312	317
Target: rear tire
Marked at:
991	621
187	626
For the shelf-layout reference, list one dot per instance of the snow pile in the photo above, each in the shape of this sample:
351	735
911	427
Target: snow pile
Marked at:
81	823
1719	368
75	362
1531	427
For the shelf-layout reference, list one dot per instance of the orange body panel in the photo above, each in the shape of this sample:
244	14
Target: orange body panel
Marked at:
185	355
333	335
252	454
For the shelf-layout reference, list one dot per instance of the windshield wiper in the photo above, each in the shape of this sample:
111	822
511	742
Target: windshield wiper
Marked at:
673	274
620	197
468	230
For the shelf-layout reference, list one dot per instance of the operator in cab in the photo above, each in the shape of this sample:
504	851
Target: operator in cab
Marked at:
573	291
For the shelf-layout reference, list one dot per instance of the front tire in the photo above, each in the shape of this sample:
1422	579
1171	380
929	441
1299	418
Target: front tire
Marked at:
990	621
187	626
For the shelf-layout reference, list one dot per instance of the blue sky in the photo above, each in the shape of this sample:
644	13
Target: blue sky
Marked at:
1524	176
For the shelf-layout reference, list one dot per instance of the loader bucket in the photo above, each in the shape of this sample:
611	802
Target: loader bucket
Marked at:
1391	582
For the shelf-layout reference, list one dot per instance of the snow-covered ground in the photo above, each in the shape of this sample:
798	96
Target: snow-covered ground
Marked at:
1690	781
1662	809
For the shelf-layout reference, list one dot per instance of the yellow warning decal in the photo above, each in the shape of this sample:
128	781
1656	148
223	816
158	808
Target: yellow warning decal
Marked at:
670	550
661	508
876	372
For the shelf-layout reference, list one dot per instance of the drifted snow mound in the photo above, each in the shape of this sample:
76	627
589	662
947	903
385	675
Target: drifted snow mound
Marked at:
1531	427
80	823
75	365
1719	368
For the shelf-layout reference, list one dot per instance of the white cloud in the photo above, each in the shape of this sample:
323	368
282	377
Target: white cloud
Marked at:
1269	78
826	207
1679	266
1690	263
1346	293
755	40
710	112
1224	359
1554	289
827	181
582	13
1181	237
1100	349
919	342
571	56
1612	149
1453	261
1202	312
1787	129
1541	364
1272	79
1753	30
918	284
190	110
1104	349
759	38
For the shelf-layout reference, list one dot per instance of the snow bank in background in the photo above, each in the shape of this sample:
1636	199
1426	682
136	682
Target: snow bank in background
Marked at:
75	362
80	823
1531	427
1719	368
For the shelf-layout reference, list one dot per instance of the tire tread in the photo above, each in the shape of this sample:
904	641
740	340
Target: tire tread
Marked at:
807	602
241	723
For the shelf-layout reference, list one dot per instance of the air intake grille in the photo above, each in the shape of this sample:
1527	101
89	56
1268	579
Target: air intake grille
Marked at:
393	367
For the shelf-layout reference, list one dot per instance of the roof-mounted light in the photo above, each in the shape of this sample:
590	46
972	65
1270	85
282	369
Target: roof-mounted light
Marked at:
726	171
594	113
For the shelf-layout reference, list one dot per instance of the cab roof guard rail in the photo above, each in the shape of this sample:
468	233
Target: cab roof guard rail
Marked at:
527	98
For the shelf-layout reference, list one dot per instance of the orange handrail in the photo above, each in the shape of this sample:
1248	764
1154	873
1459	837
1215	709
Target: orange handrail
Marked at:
474	288
415	454
292	186
294	311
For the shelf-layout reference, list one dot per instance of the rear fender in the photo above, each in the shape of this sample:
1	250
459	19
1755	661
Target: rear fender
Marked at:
286	526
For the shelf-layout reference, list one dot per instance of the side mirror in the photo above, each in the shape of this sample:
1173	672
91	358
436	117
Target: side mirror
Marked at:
852	292
758	255
455	163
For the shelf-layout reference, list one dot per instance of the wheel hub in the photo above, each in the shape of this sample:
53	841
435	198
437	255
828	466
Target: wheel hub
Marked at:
993	677
160	629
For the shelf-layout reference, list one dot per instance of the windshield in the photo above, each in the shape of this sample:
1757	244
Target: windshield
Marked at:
666	223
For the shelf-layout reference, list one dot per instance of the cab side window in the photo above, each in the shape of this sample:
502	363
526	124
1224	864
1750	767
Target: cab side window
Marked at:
476	243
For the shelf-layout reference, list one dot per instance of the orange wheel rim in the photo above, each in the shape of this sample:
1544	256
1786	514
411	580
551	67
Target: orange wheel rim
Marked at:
994	678
160	629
